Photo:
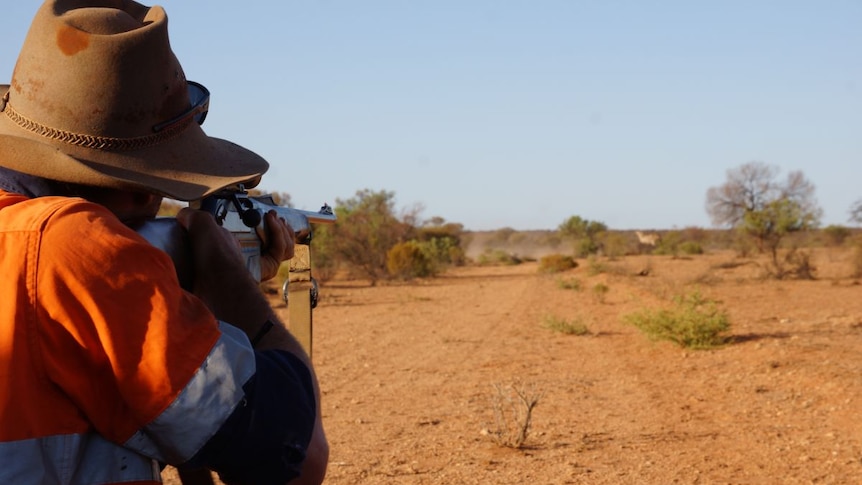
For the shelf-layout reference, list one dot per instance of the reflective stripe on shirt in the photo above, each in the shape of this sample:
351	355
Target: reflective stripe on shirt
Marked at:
173	437
76	459
203	405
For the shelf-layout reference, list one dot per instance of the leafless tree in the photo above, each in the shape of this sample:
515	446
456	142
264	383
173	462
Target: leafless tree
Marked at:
753	201
753	187
856	212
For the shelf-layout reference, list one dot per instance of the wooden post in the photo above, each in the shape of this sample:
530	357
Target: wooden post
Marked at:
299	290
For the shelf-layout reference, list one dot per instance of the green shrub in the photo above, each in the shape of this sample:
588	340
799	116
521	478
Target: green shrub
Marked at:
694	322
407	260
594	266
615	245
669	243
569	284
586	246
556	263
835	235
568	327
673	243
691	247
600	291
443	251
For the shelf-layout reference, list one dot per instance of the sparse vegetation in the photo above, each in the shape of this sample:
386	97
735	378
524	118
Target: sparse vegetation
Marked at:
572	326
614	244
569	284
368	228
795	264
674	243
691	247
556	263
407	260
856	261
856	212
586	234
513	407
600	292
441	242
595	266
835	235
694	322
766	210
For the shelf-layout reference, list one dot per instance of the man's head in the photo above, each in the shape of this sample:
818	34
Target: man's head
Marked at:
98	98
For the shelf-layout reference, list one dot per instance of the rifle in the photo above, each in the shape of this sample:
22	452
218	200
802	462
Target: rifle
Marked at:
242	215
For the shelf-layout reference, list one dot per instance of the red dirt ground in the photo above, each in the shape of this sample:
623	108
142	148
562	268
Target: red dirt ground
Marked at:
407	373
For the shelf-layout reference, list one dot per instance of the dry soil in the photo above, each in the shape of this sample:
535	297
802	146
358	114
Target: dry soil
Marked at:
411	376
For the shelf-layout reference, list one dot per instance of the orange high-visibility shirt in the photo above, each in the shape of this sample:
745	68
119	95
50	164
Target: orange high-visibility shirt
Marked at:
107	366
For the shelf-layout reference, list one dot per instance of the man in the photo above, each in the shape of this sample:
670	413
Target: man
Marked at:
108	368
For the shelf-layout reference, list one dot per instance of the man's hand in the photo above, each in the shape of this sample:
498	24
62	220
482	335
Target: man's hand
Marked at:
280	243
216	257
214	248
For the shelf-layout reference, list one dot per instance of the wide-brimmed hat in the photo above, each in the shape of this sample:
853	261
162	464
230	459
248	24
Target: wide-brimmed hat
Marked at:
98	97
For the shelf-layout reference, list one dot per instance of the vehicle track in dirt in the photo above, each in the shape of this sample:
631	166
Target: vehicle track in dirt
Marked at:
407	374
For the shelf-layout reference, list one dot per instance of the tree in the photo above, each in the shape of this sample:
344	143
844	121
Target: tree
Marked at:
584	232
365	230
856	212
755	202
280	198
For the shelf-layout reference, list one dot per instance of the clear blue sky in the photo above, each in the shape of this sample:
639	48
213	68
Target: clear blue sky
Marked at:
519	114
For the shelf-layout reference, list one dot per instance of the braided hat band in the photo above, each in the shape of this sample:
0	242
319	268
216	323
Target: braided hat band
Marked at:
90	141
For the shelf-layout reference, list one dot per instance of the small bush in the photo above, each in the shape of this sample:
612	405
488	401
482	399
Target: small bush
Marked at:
442	250
799	265
695	323
586	246
600	292
569	284
556	263
513	414
407	260
691	247
615	245
594	266
669	244
673	243
836	235
567	327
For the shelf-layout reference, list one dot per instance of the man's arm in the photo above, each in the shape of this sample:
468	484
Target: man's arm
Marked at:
224	284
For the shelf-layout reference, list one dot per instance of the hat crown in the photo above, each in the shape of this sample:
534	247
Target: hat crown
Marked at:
98	98
98	70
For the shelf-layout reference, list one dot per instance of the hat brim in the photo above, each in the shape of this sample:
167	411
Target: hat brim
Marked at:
187	167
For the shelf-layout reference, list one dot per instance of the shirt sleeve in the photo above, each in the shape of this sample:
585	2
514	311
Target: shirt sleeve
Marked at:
266	438
121	338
